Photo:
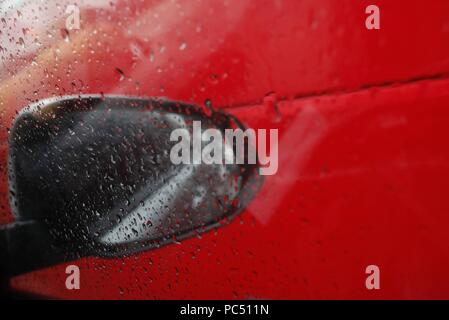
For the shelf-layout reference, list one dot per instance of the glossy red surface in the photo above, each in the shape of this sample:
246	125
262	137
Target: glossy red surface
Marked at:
363	122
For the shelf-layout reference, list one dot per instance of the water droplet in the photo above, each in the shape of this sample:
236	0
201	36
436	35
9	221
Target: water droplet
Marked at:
121	73
208	107
65	34
271	106
21	42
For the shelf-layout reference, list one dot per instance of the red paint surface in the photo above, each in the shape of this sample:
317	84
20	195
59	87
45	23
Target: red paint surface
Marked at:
363	169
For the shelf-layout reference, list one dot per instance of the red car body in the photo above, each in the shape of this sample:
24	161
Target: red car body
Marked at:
363	120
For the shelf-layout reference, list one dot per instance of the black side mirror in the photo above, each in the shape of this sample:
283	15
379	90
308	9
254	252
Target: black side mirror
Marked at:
92	176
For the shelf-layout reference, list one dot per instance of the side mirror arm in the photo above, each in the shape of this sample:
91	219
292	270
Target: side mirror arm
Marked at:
25	246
